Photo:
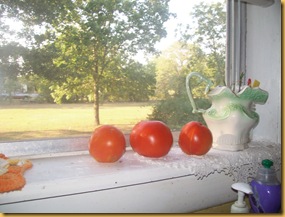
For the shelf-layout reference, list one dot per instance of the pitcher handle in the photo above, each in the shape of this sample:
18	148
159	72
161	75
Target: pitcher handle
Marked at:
207	89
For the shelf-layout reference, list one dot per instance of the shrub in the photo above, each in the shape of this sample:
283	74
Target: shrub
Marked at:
177	111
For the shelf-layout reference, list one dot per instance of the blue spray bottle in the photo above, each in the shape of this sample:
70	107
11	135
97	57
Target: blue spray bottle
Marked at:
266	188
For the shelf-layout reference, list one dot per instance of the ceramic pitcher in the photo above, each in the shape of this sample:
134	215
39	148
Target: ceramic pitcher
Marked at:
232	115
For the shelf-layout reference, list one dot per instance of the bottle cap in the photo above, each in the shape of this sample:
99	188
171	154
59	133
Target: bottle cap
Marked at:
267	163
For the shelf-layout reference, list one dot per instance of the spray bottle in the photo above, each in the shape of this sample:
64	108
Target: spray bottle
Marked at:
266	188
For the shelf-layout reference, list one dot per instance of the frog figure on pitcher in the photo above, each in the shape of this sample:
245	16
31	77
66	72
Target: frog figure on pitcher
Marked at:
232	115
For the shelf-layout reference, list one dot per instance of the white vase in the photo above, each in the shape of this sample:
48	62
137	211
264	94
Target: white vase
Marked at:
232	116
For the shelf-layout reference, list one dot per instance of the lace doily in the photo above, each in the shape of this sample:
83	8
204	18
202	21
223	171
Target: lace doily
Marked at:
242	166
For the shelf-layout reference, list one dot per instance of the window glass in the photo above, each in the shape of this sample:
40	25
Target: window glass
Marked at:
67	67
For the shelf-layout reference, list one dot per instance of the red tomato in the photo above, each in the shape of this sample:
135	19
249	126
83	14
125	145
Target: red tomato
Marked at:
195	138
151	139
107	144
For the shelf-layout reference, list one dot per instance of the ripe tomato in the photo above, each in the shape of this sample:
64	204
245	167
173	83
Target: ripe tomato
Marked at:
195	138
107	144
151	139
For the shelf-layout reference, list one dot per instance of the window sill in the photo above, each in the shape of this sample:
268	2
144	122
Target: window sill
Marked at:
72	181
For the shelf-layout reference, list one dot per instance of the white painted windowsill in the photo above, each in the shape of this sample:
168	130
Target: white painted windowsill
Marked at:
65	178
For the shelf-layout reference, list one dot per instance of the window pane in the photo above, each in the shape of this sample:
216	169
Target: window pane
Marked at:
66	67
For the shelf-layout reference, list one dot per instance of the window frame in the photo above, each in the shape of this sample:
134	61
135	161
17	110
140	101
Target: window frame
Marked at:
236	42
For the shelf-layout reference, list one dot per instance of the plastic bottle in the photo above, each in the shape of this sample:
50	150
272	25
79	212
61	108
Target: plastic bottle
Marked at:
266	188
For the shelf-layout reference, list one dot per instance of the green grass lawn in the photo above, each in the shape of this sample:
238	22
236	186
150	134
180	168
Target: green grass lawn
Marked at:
31	121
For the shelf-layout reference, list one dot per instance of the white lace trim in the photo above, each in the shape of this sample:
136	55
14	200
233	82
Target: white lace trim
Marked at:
241	165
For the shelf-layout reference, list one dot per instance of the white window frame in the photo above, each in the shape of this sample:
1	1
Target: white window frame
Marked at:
236	38
236	42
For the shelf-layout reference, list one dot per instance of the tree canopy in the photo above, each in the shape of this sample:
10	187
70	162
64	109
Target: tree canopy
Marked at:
201	49
88	40
208	30
84	50
173	65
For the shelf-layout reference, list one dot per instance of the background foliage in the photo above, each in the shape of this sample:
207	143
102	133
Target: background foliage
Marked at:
83	51
201	49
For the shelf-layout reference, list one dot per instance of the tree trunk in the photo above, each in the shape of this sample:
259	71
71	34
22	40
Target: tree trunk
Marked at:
96	104
96	79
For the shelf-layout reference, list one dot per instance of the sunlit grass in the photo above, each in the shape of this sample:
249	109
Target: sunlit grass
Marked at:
32	121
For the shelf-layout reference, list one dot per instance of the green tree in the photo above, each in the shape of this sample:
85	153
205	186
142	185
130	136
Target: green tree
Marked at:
11	59
208	30
133	82
203	51
172	67
91	34
35	12
102	31
123	81
10	66
39	84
